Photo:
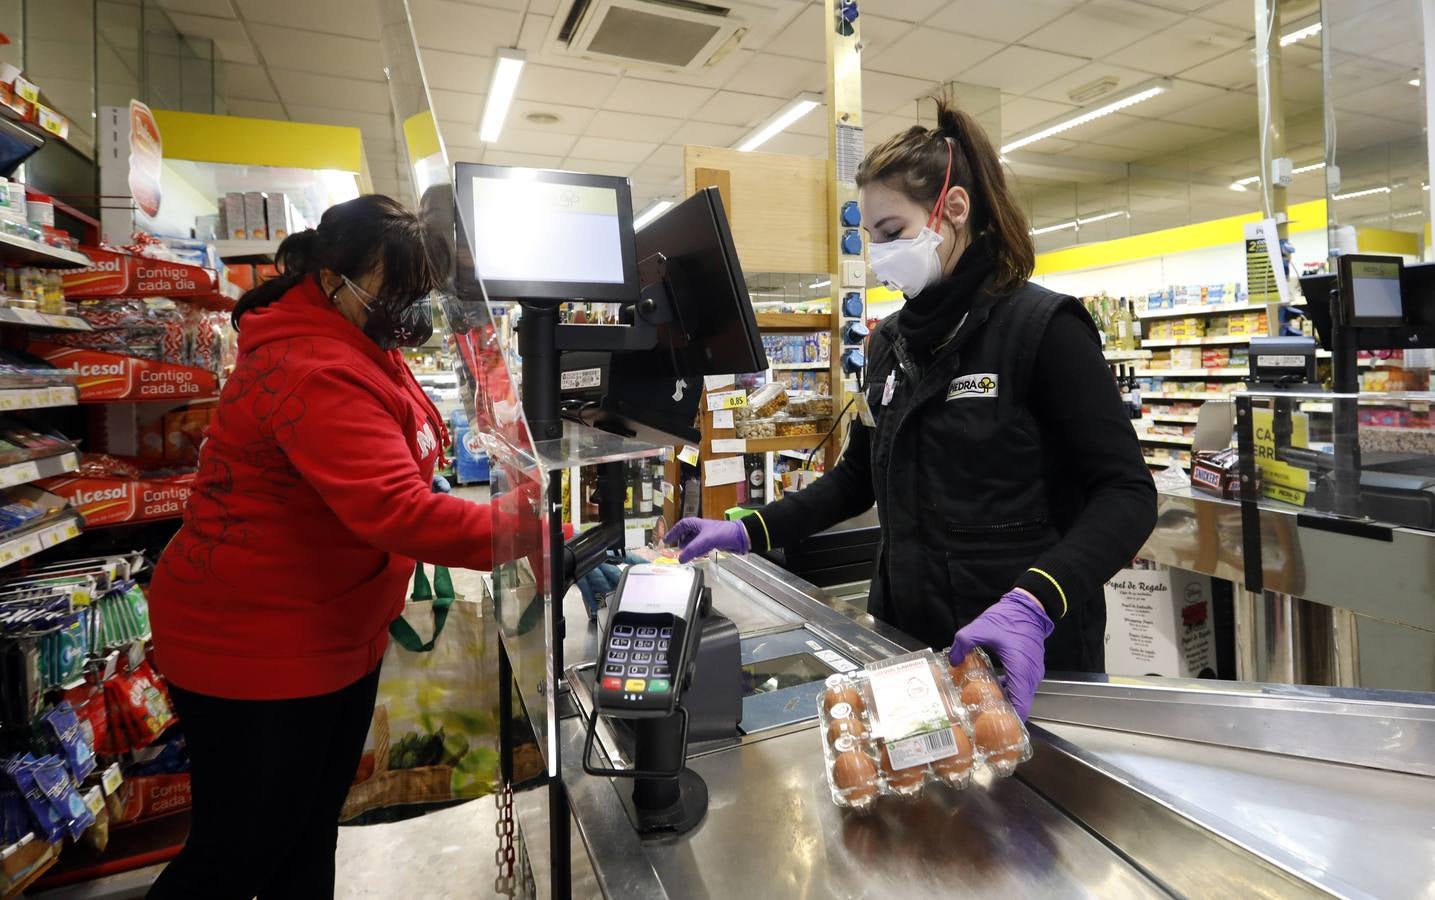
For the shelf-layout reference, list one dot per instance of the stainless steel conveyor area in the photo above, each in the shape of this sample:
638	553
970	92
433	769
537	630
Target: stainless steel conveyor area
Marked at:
1139	788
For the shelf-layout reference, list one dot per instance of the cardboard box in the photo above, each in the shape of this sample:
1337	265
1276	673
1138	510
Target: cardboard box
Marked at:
231	211
1158	622
209	228
276	215
254	216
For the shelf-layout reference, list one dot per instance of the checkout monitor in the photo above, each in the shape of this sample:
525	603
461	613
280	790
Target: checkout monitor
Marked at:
1370	291
540	234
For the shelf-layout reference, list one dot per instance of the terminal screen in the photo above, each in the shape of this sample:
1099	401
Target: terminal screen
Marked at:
543	231
1376	290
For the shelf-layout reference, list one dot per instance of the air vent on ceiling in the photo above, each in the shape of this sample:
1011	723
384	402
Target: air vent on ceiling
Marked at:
676	35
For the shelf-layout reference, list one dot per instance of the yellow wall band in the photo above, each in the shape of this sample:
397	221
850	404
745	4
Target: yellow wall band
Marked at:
259	142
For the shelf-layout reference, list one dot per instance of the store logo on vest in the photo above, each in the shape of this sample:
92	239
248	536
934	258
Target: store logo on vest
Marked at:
979	384
426	440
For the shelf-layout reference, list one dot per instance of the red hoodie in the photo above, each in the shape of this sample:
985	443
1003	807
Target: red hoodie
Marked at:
311	505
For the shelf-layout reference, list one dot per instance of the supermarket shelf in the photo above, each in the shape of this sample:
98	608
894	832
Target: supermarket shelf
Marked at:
1223	341
11	316
776	444
1187	395
793	321
448	377
247	251
1321	406
1174	419
33	253
16	399
1181	312
35	469
20	887
1163	463
41	537
789	367
1222	372
1171	439
1124	355
145	521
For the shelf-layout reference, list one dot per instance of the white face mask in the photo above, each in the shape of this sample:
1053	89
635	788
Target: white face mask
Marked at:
909	265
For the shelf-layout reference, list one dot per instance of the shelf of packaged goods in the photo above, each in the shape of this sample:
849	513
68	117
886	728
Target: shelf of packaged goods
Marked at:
11	316
1163	463
43	536
35	469
42	397
1173	440
776	444
257	252
1320	406
791	367
1173	419
1181	312
1220	372
437	377
1222	341
33	253
793	321
1125	355
1186	395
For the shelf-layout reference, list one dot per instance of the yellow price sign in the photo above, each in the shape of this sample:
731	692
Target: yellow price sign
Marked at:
734	401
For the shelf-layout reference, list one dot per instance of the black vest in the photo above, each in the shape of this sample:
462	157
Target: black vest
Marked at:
963	476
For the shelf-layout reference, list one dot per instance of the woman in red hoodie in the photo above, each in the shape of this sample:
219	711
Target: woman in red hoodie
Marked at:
271	606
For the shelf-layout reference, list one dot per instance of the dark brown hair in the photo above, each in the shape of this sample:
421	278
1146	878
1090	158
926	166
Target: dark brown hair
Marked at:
352	239
915	163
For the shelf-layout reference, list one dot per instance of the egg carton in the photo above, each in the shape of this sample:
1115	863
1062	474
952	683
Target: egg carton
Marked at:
907	724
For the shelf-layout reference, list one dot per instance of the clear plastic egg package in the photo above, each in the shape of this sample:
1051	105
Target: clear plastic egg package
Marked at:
906	723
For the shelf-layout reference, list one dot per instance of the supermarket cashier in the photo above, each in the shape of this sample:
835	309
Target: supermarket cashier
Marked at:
1008	480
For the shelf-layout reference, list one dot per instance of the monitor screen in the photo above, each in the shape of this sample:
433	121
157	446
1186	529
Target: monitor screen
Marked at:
546	235
1375	289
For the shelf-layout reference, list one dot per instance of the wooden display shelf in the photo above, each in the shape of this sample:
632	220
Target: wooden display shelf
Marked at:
1217	341
1174	440
1163	463
776	444
794	321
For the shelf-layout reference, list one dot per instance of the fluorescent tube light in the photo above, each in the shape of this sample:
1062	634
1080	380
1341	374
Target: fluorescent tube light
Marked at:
1300	34
1138	94
501	87
1079	221
1414	82
652	212
799	107
1368	192
1048	229
825	282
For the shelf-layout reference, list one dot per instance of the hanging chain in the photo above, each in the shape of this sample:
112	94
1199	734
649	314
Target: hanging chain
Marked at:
503	857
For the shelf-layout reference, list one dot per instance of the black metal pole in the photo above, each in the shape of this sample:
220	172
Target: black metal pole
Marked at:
537	344
505	714
658	747
558	830
1346	377
1250	496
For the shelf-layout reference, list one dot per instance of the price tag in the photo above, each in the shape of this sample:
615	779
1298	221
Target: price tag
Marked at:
62	396
7	554
70	461
689	454
52	121
730	445
667	492
728	470
95	800
20	473
28	547
9	400
726	400
718	382
30	317
112	779
722	418
26	90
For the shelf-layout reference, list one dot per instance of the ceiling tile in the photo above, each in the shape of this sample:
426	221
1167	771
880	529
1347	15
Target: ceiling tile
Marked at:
879	33
631	126
1180	49
999	20
797	145
1121	130
885	93
1235	13
529	160
456	105
256	109
230	41
1236	69
459	152
460	28
930	54
531	140
372	125
1058	90
814	122
803	38
665	159
910	10
456	71
611	150
533	32
878	130
639	95
217	8
598	166
308	89
742	110
323	54
777	76
1182	95
1022	113
1018	70
711	134
571	119
1100	27
549	84
241	82
343	17
1231	110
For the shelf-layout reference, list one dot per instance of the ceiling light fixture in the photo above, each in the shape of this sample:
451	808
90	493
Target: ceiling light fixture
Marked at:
1048	229
1407	214
657	208
1139	94
799	107
1368	192
501	87
1300	34
1240	183
822	283
1414	82
1079	221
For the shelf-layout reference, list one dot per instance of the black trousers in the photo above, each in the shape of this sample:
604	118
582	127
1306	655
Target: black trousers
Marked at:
269	779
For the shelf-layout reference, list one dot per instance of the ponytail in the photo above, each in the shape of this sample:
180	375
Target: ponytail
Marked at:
915	163
294	260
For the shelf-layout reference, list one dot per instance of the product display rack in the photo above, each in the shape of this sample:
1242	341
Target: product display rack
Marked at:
247	252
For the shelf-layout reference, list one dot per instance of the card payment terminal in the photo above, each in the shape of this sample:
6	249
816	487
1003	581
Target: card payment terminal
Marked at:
649	641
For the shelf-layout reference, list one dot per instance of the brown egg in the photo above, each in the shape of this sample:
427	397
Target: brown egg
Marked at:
973	665
998	734
955	767
843	691
855	775
981	691
902	780
844	721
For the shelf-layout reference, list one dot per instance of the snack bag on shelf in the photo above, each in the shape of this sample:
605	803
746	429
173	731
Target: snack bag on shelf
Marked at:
79	752
52	778
43	817
139	706
92	709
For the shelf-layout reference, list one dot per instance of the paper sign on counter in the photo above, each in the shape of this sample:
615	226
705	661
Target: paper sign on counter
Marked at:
718	382
667	492
722	418
689	454
729	445
726	399
728	470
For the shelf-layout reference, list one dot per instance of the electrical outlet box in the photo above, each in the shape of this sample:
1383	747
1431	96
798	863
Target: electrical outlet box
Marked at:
1282	171
854	273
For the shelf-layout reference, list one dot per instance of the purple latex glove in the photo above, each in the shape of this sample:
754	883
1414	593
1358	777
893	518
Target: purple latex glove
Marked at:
699	536
1015	628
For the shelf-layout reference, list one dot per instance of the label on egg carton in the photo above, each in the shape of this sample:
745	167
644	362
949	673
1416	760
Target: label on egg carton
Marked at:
912	717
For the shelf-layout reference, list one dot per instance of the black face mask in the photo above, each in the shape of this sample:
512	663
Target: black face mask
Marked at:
390	328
